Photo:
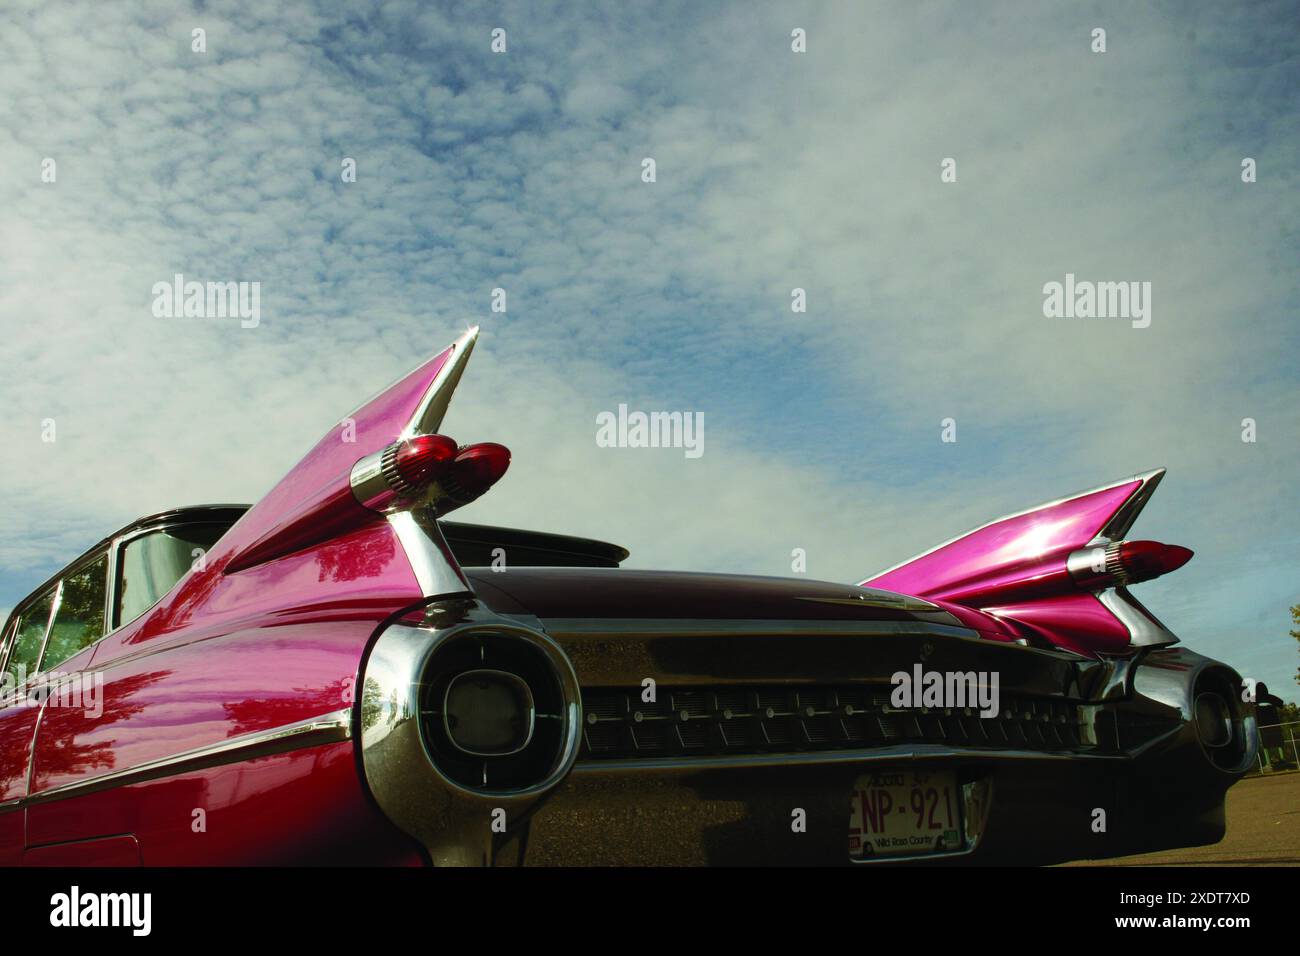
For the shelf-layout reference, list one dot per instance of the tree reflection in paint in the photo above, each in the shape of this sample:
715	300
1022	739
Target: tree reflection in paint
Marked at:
58	751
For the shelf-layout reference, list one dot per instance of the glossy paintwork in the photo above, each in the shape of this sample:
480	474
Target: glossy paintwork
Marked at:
1075	622
219	656
361	565
201	693
374	425
303	807
363	571
17	728
364	574
17	725
1015	571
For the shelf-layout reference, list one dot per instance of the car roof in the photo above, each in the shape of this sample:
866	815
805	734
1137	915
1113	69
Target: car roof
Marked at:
600	551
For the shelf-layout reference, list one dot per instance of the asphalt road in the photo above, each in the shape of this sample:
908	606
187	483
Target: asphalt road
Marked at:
1263	830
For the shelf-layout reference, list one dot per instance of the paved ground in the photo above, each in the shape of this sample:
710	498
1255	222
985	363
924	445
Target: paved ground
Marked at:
1263	830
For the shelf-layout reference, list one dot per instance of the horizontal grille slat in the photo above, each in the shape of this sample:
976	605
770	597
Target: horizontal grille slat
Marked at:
731	719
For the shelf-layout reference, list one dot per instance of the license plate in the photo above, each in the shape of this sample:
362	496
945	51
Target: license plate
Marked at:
904	813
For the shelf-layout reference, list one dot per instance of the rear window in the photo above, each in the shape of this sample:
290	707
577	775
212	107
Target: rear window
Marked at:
152	564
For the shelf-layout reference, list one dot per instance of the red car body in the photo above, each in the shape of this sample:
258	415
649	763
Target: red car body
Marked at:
273	706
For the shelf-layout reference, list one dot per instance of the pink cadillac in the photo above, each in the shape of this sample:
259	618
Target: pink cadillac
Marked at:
337	674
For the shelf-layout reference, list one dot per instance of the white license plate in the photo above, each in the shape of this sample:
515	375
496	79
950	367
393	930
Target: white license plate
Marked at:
905	813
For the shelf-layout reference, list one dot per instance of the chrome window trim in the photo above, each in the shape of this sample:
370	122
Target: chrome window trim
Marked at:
49	624
6	639
193	514
19	690
110	598
25	605
68	572
21	609
110	618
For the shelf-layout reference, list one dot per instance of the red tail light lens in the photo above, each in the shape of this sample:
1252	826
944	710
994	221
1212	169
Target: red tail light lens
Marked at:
476	469
430	469
1144	560
422	458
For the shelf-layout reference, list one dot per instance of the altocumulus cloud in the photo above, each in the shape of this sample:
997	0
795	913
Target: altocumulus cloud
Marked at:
775	171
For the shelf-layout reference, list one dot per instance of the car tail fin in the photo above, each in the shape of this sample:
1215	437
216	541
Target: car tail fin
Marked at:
384	461
1057	572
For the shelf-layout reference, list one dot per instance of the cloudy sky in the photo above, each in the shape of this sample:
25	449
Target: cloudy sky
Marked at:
775	170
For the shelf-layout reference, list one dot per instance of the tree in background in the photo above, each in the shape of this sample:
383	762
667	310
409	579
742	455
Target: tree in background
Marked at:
1295	619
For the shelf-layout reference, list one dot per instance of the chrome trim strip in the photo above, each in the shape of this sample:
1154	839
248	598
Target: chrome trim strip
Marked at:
831	757
10	629
433	407
1082	563
1143	629
20	691
876	597
1123	519
430	557
49	624
369	486
1149	480
470	336
1120	678
110	589
333	727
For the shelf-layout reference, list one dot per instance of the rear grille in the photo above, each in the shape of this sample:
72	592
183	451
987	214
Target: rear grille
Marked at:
765	719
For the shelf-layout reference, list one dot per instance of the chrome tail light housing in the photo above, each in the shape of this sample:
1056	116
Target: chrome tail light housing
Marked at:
467	722
1225	725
